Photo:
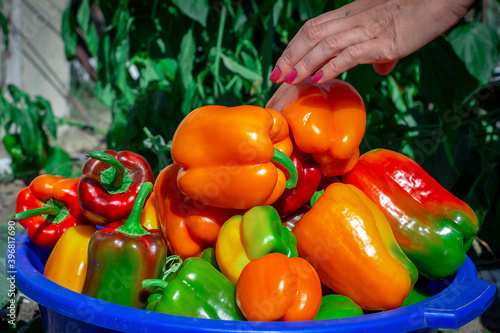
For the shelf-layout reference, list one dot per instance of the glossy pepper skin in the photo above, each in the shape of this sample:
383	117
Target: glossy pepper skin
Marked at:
327	120
275	287
121	258
194	288
433	227
351	245
110	183
67	263
309	177
149	214
226	156
188	225
337	306
252	235
48	207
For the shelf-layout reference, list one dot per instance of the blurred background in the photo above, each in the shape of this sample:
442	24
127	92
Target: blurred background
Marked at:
82	75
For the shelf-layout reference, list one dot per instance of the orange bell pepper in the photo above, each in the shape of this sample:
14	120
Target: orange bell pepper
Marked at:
327	120
189	226
226	156
347	239
67	263
275	287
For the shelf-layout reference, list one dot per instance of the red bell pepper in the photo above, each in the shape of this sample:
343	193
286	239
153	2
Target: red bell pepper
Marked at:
47	207
110	183
309	177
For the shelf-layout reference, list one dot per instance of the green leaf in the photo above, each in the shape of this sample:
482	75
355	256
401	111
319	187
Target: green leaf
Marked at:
5	29
168	67
68	33
92	40
194	9
477	45
58	162
241	70
444	79
186	58
83	16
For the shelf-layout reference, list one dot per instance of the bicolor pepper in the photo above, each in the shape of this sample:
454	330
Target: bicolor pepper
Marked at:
67	263
193	288
309	177
121	258
433	227
327	120
351	245
48	207
110	183
228	154
252	235
276	287
337	306
188	225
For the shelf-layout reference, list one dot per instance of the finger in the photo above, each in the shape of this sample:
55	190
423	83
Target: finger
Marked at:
369	52
310	35
385	67
327	49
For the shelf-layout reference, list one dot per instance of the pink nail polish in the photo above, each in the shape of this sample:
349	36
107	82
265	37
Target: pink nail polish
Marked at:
275	75
315	78
291	76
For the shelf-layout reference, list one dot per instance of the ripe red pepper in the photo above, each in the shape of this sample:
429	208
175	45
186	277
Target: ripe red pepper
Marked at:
48	207
309	177
110	183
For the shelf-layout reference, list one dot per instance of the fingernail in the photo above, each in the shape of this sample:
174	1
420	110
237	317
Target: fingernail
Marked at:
275	75
291	76
315	78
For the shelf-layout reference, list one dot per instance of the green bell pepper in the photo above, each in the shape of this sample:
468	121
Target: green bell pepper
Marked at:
193	288
337	306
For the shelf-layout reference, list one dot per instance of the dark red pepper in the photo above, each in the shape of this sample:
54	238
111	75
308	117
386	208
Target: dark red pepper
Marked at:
309	177
110	183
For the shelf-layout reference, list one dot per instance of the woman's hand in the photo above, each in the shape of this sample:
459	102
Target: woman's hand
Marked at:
365	31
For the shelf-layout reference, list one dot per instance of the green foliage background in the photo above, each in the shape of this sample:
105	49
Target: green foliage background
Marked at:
158	60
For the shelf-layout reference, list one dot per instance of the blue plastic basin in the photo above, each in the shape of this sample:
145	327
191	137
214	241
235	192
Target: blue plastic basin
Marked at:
457	300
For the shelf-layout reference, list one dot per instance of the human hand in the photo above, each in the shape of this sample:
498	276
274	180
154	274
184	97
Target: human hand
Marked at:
377	32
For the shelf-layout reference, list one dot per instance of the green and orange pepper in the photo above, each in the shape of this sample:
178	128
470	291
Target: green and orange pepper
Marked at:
252	235
433	227
327	120
351	245
227	156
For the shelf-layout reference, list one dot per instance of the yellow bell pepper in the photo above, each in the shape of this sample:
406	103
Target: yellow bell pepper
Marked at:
67	263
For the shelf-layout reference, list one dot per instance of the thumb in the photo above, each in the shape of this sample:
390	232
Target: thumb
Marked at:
385	68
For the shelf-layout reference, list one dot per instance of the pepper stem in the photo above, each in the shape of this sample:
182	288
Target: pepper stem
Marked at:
315	197
173	263
133	224
45	210
286	162
113	162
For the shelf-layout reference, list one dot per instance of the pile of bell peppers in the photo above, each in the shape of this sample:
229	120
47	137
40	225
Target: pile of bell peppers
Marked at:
265	214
